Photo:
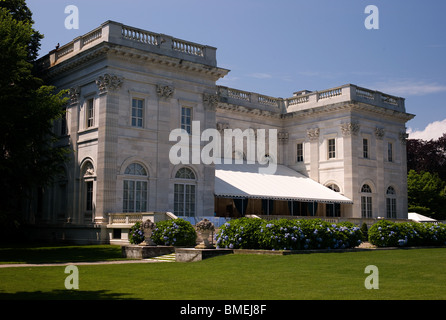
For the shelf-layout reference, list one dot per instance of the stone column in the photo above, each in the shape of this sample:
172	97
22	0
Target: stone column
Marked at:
73	187
108	86
165	93
351	189
380	182
313	136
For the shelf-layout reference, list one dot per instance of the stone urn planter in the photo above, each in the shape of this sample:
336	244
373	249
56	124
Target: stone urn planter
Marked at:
205	228
148	227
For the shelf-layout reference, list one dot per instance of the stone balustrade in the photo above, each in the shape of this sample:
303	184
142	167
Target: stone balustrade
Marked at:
116	33
306	99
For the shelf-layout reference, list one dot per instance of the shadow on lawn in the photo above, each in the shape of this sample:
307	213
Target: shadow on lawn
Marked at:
66	295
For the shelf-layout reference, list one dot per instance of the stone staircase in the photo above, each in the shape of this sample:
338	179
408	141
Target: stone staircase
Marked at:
164	258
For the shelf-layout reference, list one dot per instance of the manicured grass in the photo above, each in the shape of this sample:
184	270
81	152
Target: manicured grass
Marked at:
403	274
58	253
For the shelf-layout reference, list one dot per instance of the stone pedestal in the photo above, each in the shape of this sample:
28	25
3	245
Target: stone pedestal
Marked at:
144	252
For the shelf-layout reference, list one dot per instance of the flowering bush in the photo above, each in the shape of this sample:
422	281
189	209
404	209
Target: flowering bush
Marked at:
136	234
389	234
177	232
286	234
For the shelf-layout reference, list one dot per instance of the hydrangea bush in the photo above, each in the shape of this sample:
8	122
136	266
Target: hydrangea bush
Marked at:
284	234
136	234
390	234
177	232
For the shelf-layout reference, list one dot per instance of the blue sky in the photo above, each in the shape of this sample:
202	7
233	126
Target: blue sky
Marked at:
282	46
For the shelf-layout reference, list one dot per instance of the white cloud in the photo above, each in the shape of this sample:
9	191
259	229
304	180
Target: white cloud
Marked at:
433	130
409	87
260	75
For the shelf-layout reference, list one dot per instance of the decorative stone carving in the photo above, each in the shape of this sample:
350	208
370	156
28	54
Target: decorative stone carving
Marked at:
222	126
89	170
74	94
210	100
108	82
403	137
205	228
282	136
313	134
350	128
379	133
148	226
165	92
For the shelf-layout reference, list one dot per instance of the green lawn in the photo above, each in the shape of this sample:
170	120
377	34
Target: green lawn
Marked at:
403	274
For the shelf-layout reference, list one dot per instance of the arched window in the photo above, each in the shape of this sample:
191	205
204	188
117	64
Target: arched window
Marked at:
184	193
366	189
88	175
391	202
366	201
185	173
135	188
334	187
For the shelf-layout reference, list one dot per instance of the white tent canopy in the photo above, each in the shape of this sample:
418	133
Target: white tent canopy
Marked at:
419	218
245	181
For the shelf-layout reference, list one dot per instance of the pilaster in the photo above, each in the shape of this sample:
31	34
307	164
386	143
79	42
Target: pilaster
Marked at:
108	86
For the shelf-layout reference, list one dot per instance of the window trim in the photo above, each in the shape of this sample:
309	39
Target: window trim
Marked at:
187	127
390	152
90	113
331	149
132	179
300	156
365	148
143	111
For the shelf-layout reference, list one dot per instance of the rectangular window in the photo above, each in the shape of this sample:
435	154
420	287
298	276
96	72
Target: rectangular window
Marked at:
137	113
63	125
331	148
366	207
89	196
300	152
186	119
135	196
365	148
184	200
90	113
391	207
390	152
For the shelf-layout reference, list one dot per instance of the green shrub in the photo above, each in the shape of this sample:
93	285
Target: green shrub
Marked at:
389	234
284	234
177	232
136	234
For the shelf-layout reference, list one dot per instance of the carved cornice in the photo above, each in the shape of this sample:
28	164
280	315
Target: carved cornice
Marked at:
350	128
164	92
108	82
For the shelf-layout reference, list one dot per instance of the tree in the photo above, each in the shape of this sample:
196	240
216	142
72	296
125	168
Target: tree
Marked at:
426	194
28	157
427	156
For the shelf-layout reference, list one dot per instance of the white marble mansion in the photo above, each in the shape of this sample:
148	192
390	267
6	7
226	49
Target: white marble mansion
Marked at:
340	155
